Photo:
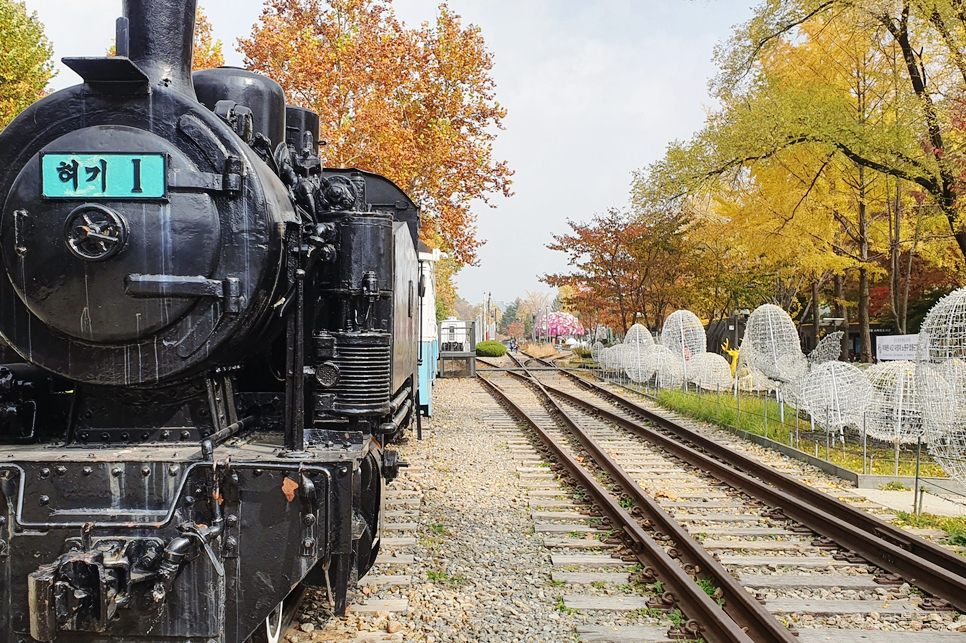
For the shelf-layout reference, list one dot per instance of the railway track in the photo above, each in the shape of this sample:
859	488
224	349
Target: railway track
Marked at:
699	525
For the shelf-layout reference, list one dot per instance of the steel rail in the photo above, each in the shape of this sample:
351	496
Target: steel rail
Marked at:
710	621
924	564
741	606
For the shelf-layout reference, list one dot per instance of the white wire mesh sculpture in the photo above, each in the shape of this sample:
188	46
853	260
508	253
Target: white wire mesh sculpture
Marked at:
595	352
606	358
828	349
612	358
774	345
894	412
747	377
836	394
668	367
942	351
639	335
683	334
638	363
637	342
710	371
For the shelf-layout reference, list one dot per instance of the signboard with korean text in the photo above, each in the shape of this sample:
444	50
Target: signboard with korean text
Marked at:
102	176
896	347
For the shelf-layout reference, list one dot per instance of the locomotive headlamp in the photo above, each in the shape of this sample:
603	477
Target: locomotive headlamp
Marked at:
327	374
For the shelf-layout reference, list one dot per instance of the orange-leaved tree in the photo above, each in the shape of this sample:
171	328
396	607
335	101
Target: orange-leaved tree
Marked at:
417	105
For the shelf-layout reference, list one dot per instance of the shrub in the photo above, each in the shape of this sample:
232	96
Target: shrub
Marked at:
490	349
581	352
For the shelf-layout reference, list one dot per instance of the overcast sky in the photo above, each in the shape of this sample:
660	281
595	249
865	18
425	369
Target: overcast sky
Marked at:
594	90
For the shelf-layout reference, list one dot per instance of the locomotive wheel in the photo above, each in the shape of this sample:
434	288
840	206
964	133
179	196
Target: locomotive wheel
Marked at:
273	629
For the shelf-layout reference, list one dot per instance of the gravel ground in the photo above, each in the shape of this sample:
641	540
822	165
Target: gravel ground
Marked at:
481	574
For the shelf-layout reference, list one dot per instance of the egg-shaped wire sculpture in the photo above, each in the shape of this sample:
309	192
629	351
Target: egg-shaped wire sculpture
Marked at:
774	343
710	371
683	334
942	352
637	343
668	368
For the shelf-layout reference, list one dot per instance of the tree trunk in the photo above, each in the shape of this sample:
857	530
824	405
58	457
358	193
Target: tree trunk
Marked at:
815	314
842	311
865	335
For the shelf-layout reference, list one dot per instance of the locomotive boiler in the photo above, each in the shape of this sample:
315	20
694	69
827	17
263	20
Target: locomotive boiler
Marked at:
217	340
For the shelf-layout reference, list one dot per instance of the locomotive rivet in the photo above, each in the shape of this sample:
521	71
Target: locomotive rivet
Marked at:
145	471
230	543
145	436
308	520
232	520
308	543
106	436
185	435
165	435
173	470
117	471
61	470
3	520
45	473
189	500
300	274
125	436
87	471
85	436
88	415
344	471
44	500
258	472
199	491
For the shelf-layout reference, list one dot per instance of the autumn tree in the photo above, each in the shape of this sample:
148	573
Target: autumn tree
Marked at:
764	114
417	105
25	59
207	50
515	329
630	262
834	140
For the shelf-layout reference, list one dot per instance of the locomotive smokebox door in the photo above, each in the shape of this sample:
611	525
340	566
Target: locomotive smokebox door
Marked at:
105	218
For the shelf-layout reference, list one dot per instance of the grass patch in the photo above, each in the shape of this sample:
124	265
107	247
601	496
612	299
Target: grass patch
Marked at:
438	529
723	411
562	607
676	617
954	527
895	485
443	577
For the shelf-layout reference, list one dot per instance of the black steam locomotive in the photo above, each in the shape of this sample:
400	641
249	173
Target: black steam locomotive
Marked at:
217	338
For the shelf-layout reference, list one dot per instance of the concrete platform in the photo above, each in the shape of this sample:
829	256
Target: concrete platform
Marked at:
902	501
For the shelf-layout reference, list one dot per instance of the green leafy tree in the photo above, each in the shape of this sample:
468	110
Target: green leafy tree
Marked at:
25	60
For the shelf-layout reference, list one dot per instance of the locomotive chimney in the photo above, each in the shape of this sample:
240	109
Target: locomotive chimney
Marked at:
162	40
